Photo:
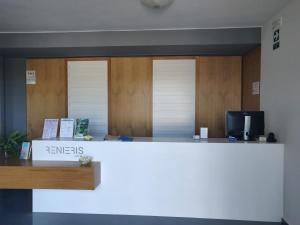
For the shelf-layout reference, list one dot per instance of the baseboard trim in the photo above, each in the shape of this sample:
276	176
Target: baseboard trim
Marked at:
283	222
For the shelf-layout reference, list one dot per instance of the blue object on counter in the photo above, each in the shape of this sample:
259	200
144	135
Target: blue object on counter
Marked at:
125	138
232	139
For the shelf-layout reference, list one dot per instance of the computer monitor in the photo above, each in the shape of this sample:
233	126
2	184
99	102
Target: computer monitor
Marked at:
235	121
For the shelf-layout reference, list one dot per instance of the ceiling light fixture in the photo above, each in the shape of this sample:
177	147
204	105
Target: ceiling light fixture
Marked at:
157	4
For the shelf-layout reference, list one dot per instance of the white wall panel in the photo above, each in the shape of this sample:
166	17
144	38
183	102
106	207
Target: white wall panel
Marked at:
87	94
174	98
280	99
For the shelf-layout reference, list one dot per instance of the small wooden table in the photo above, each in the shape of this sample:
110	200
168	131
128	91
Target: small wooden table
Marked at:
24	174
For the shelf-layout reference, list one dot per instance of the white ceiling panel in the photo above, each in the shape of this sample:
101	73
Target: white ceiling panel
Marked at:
98	15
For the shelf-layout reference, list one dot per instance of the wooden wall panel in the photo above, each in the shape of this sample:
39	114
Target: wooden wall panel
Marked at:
130	96
48	97
218	89
251	73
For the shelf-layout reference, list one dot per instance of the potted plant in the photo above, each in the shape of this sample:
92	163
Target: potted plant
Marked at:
11	144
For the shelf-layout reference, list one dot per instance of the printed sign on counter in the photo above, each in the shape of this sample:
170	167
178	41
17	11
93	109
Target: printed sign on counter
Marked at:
203	132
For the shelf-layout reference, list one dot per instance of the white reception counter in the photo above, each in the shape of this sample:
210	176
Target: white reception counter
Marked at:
171	177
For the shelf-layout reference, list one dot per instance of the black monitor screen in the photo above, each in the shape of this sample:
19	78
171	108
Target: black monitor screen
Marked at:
235	121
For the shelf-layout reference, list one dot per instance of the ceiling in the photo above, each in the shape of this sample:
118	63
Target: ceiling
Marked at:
98	15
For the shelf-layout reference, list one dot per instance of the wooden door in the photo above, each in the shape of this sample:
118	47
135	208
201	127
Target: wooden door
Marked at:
218	89
48	97
130	96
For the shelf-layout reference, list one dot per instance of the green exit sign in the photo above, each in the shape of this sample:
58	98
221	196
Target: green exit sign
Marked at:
276	39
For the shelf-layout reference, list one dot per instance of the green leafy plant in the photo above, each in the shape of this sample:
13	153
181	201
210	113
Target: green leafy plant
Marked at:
11	144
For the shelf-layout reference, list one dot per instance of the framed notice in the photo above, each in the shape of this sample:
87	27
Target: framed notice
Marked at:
50	128
66	128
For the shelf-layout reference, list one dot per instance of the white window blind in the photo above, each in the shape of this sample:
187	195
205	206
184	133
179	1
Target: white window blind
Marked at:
87	94
174	98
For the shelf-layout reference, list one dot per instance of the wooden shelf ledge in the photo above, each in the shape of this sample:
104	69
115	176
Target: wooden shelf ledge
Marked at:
22	174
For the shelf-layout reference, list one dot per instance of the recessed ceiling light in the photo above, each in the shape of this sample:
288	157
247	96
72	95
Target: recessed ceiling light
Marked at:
156	4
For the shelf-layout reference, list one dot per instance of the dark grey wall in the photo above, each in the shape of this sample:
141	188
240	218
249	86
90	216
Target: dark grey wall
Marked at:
16	204
1	96
15	95
131	43
132	38
176	50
